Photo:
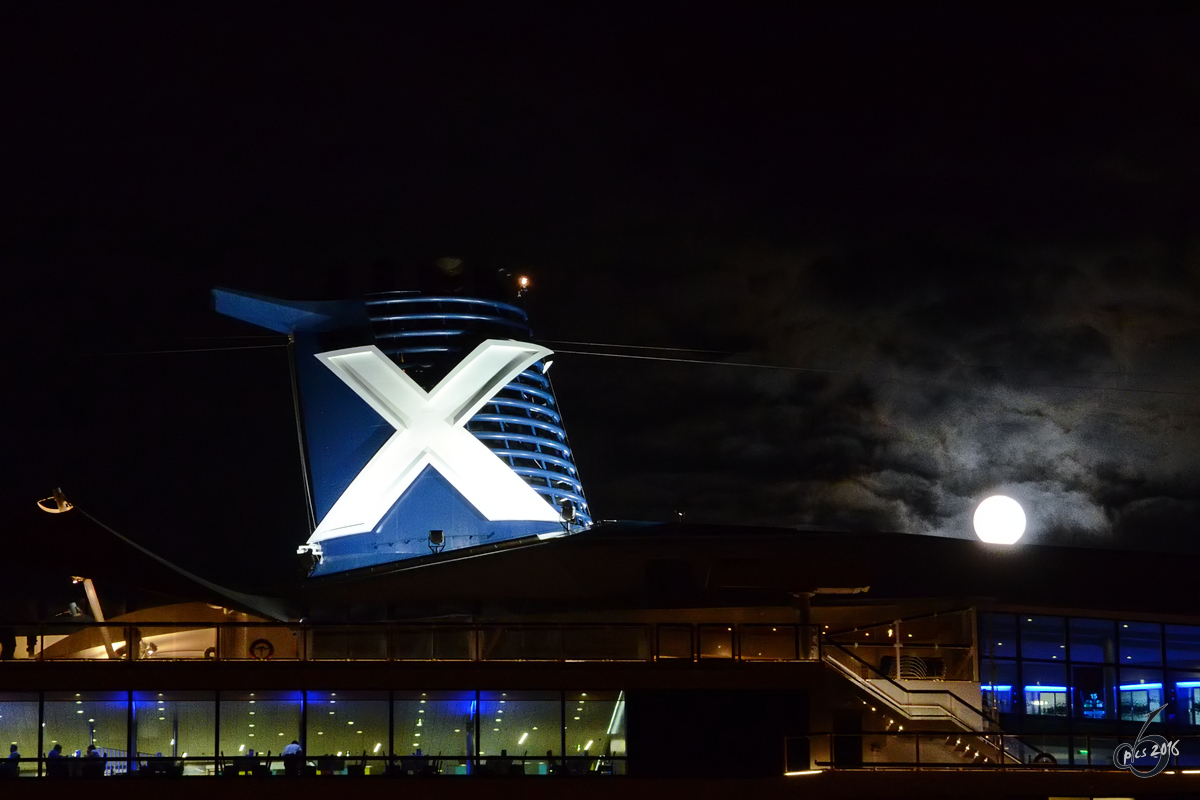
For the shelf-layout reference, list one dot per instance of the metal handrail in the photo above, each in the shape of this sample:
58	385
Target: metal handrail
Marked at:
992	731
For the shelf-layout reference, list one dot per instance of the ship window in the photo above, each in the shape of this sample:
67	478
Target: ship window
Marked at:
353	723
19	726
1093	640
438	724
77	719
999	635
1045	689
595	725
1183	646
171	723
253	720
522	727
1043	637
1140	693
1186	688
999	681
1140	643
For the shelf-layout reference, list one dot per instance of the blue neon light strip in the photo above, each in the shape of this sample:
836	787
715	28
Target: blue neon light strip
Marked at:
1045	688
996	688
1135	686
1188	684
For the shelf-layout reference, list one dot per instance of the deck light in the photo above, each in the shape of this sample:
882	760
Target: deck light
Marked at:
55	504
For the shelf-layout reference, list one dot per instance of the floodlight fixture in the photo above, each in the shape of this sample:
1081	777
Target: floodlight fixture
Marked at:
56	503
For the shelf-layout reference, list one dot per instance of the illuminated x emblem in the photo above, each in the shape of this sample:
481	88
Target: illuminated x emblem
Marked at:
430	430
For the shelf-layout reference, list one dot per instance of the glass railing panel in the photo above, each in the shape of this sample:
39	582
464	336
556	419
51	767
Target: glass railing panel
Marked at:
260	642
605	643
82	642
675	642
897	749
350	643
175	642
521	644
769	642
716	641
432	644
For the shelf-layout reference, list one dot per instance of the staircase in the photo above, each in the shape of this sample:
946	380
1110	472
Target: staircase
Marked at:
981	737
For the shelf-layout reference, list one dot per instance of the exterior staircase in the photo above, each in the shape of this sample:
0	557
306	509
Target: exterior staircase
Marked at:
980	738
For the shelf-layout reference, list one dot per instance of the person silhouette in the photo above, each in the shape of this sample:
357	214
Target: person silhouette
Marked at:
56	766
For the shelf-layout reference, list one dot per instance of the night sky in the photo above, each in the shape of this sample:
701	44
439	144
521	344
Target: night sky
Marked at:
963	245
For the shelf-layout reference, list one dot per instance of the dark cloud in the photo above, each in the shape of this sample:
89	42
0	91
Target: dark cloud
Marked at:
1059	375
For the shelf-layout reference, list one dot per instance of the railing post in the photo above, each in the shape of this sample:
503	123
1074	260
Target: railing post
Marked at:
41	739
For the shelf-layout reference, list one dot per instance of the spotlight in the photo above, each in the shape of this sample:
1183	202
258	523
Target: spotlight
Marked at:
56	503
437	541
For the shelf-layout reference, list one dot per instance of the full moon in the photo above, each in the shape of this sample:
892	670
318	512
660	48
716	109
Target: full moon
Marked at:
999	520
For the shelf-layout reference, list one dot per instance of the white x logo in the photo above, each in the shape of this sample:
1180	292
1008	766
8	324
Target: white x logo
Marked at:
430	430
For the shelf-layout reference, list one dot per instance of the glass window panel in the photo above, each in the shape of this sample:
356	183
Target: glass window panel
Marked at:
1045	689
1043	637
176	725
1000	678
675	641
1183	646
768	642
161	643
1186	706
1093	640
1139	693
604	643
76	719
1057	748
716	641
19	726
998	632
354	643
347	724
251	722
517	728
1141	643
260	642
440	725
1093	689
1095	751
595	729
432	644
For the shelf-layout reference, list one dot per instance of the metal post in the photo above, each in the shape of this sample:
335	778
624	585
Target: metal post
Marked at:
41	742
562	730
130	728
303	737
217	735
897	643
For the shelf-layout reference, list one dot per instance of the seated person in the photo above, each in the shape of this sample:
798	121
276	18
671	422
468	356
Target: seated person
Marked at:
94	766
56	765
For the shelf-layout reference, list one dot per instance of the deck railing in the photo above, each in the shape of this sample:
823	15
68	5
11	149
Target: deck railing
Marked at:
559	642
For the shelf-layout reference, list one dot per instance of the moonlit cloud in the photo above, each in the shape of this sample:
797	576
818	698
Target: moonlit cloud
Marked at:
1059	376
